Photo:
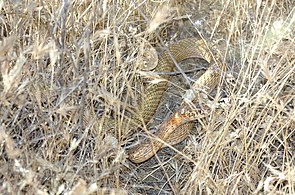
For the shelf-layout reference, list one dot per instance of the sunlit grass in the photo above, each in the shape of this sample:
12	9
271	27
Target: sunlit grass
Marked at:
68	68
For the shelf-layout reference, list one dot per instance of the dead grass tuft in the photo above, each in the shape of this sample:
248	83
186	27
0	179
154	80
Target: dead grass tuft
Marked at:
70	68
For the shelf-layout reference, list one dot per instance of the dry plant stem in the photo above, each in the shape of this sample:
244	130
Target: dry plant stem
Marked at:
177	127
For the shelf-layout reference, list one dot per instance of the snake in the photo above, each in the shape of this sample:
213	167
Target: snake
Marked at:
178	126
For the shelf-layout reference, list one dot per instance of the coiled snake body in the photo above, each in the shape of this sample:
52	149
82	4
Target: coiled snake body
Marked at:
176	127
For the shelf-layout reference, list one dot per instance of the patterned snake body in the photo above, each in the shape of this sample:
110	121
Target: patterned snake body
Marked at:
176	122
184	49
177	127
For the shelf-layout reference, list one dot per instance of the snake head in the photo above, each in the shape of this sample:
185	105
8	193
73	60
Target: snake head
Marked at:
189	114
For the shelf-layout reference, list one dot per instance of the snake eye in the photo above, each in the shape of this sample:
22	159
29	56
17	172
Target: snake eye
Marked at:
182	111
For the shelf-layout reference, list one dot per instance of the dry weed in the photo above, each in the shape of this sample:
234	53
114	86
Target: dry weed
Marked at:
70	67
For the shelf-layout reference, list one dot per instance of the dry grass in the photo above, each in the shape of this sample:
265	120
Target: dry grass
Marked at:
69	67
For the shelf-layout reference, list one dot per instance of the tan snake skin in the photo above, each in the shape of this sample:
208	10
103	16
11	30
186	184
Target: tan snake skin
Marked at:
184	49
177	127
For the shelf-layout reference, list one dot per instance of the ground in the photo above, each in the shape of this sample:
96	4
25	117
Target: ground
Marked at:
72	71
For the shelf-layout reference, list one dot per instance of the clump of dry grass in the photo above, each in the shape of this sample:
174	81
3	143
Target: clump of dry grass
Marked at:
69	67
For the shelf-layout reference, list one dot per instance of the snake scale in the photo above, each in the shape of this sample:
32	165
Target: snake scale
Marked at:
177	127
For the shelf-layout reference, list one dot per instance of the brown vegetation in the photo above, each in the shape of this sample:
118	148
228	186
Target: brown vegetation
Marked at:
70	67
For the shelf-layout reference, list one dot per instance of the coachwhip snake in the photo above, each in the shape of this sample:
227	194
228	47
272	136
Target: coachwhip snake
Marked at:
177	127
